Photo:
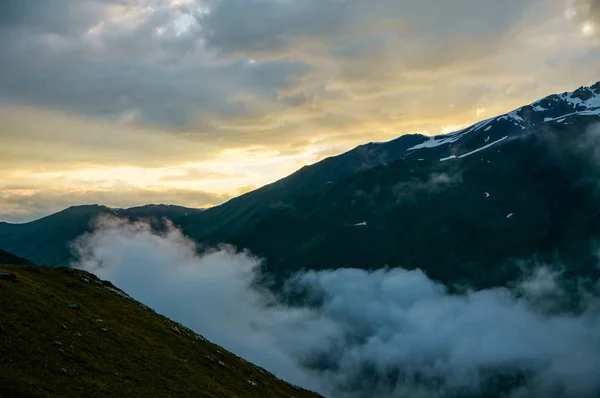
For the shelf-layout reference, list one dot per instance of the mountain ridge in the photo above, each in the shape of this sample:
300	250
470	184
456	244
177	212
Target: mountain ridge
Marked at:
410	181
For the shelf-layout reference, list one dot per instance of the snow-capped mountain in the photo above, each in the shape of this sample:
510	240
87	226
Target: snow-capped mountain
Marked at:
543	114
459	206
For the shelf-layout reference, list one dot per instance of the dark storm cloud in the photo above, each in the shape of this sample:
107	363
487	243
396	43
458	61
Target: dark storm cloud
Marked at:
271	25
69	55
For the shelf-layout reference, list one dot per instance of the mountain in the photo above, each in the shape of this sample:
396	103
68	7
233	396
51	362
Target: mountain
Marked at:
64	332
461	206
8	258
46	241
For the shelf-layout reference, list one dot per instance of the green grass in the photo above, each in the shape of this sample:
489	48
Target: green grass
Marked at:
49	349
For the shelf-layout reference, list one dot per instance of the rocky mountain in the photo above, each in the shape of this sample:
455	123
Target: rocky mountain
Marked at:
64	332
46	241
460	206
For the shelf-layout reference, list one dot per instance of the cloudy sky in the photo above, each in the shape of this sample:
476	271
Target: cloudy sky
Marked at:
191	102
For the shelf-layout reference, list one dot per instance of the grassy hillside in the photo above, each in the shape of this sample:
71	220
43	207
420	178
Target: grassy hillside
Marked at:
65	333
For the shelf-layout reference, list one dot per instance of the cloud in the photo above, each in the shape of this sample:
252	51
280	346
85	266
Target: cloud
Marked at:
589	9
385	333
230	30
154	83
207	69
412	188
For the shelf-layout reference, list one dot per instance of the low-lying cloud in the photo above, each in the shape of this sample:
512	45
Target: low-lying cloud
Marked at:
386	333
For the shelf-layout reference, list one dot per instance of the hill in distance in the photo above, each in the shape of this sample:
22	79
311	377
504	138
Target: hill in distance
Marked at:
46	241
9	258
64	332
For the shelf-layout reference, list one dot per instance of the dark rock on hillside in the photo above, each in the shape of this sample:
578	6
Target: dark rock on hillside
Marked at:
7	276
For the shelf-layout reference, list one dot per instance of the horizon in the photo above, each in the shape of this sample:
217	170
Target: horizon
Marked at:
190	103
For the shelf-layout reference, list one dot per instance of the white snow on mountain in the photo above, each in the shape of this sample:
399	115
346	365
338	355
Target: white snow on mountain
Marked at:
559	107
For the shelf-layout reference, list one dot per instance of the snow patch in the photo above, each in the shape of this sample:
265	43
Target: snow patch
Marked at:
448	158
361	224
514	116
433	142
488	128
487	194
483	147
510	215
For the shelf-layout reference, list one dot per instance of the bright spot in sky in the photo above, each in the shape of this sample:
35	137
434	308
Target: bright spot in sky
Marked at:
588	29
451	128
183	24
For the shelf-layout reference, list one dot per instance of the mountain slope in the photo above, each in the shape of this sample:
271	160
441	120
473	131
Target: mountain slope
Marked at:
457	206
8	258
109	345
46	241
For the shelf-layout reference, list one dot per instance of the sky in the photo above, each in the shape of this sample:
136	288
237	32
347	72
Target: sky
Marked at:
192	102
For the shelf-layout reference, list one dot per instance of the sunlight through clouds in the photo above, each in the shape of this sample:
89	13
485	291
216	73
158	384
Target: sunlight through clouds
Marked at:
138	90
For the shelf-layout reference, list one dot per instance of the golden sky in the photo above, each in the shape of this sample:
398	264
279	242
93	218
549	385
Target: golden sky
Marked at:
191	102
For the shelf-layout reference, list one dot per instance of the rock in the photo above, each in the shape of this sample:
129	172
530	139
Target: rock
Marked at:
99	321
253	384
118	292
104	330
75	306
64	370
222	364
58	343
7	276
64	326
